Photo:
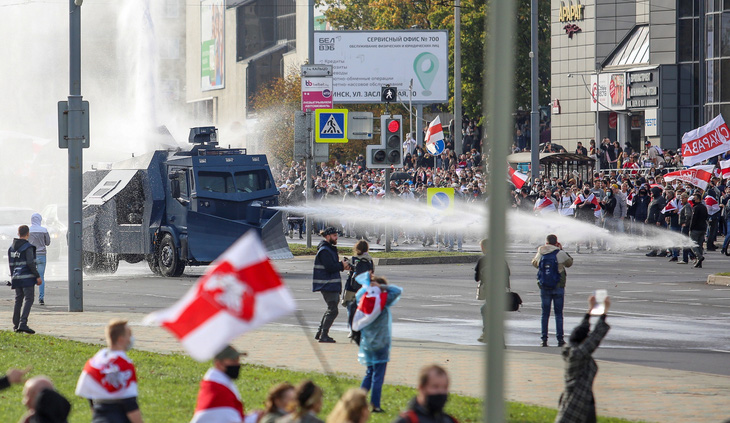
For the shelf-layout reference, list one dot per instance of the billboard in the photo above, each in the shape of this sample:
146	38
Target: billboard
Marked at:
212	44
316	87
608	92
365	61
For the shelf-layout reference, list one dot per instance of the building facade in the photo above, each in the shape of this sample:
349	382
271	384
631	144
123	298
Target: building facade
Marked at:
635	70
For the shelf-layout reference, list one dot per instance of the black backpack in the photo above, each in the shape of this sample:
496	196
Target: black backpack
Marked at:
548	274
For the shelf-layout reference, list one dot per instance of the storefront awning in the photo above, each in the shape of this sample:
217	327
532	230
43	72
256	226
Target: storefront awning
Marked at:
633	49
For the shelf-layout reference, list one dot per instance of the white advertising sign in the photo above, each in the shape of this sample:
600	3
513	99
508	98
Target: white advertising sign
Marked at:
599	92
365	61
651	124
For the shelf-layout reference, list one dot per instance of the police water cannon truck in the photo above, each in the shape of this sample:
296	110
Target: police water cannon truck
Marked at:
176	208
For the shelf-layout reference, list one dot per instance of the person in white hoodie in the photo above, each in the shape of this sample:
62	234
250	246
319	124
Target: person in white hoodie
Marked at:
40	239
552	284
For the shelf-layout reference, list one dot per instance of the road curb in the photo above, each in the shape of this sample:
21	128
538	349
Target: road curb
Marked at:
427	260
718	280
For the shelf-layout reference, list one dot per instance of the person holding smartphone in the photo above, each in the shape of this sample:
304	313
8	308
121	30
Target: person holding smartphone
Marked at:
577	403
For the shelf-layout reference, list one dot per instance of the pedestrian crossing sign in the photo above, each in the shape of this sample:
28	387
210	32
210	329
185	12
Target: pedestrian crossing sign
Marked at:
440	200
331	125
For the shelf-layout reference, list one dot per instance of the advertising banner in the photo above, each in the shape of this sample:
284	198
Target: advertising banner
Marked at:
698	176
617	91
366	61
651	123
316	88
599	92
705	142
212	44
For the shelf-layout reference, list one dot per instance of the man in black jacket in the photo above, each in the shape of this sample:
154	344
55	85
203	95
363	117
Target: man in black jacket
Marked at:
25	276
698	227
433	393
654	217
326	279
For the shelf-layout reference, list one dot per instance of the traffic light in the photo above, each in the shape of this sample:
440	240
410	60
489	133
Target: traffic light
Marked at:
390	151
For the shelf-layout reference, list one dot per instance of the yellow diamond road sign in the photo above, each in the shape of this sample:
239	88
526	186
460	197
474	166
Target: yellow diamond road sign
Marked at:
441	199
330	125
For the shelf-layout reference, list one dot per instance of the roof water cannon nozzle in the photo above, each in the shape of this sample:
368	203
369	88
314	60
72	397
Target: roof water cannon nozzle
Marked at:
204	135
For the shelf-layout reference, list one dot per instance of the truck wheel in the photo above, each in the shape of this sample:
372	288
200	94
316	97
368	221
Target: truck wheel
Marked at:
111	263
168	259
92	263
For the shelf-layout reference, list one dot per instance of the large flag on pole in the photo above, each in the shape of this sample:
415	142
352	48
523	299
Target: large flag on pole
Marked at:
239	292
698	176
705	142
435	137
516	177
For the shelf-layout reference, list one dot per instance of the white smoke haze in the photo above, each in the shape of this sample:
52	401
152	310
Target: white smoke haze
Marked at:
471	220
120	77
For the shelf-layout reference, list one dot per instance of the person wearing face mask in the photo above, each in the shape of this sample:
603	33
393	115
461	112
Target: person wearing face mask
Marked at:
218	398
433	393
109	379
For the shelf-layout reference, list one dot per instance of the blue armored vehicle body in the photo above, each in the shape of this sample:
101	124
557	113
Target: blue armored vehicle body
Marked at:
179	208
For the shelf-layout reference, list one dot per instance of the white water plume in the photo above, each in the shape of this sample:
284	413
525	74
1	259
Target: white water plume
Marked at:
470	219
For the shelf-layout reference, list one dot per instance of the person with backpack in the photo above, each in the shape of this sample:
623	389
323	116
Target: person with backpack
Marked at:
433	393
361	263
551	262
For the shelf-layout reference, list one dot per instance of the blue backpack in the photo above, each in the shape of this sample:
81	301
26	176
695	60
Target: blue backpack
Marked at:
548	274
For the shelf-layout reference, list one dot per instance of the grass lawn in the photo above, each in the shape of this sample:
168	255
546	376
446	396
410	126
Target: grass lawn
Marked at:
168	384
302	250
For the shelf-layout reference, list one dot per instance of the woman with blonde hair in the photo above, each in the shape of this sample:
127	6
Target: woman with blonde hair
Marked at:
351	408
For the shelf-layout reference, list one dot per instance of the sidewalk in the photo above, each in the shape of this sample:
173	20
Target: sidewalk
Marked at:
627	391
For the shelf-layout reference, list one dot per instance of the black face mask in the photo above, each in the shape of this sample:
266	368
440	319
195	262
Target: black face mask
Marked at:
435	403
233	371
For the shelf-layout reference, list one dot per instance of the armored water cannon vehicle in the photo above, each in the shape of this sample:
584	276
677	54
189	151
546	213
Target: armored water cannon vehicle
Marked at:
179	208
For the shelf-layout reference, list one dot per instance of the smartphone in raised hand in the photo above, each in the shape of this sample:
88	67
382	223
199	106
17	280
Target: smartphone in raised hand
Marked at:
600	307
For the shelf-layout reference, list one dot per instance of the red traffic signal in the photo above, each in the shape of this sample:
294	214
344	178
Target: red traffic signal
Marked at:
393	126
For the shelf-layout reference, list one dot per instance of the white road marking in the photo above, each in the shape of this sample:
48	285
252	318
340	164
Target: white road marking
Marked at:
683	290
436	305
633	292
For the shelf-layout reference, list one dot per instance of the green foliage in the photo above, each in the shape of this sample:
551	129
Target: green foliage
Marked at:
168	384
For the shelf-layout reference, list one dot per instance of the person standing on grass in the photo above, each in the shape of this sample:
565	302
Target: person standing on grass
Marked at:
40	239
24	276
577	404
433	393
218	398
326	279
109	379
374	322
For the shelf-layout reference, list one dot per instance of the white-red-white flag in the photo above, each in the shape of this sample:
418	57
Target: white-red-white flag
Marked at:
591	199
239	292
517	178
434	139
725	169
108	375
371	305
630	198
544	205
713	206
698	176
218	400
705	142
671	206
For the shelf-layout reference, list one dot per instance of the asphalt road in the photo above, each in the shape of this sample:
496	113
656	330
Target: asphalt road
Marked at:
663	314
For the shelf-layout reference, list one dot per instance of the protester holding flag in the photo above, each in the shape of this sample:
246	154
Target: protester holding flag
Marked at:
671	217
326	279
218	398
374	321
685	215
109	379
712	202
361	263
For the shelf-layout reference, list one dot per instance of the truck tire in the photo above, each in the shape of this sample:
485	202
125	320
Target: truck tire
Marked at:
168	260
95	263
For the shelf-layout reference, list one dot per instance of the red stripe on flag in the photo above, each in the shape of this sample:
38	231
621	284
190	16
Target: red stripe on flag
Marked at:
198	311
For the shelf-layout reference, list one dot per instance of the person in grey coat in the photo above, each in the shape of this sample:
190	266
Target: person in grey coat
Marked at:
577	404
40	239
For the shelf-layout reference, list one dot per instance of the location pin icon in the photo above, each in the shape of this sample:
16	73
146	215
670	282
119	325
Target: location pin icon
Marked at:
426	65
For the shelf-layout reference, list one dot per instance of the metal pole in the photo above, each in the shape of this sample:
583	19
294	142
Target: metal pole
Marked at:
535	114
387	228
308	163
410	109
457	78
309	179
75	162
499	64
419	124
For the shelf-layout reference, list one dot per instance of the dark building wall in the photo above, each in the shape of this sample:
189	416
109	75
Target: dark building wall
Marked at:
614	20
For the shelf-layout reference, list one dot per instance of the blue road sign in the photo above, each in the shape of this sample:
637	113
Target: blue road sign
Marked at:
331	125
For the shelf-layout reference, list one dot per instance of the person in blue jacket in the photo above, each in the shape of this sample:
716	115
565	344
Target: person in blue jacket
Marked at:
375	341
